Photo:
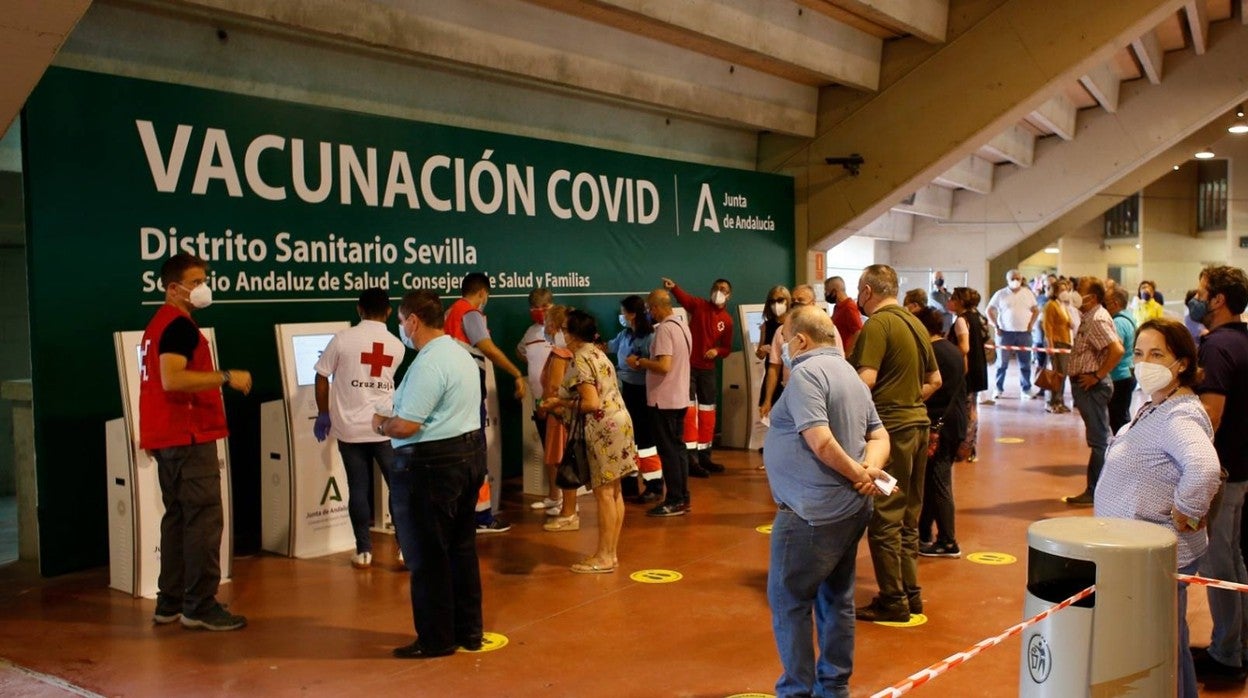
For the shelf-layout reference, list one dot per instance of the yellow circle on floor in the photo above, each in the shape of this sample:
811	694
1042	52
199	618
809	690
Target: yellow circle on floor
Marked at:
1009	440
992	558
765	528
656	576
489	643
752	695
916	619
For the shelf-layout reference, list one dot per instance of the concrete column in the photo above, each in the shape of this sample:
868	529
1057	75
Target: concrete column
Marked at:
21	394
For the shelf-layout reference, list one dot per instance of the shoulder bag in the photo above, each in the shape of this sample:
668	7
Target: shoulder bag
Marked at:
573	470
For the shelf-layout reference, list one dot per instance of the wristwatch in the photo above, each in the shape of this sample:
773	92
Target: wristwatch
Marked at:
225	377
381	428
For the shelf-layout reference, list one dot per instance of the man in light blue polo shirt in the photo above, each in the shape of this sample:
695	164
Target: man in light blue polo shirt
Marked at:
439	465
825	447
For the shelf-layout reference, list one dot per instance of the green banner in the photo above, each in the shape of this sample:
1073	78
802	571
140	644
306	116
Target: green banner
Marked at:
299	208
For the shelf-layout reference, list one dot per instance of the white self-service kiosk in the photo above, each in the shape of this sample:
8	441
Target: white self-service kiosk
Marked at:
750	320
134	501
303	485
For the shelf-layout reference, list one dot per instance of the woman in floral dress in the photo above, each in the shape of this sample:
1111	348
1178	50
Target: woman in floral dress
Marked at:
608	434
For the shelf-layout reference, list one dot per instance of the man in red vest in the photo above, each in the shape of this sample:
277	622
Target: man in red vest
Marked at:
711	326
181	417
465	321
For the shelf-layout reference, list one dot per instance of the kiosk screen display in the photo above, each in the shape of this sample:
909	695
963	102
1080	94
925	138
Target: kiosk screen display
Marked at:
308	349
753	322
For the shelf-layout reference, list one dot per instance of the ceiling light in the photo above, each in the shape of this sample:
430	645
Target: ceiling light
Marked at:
1137	245
1176	167
1238	127
1205	154
1051	250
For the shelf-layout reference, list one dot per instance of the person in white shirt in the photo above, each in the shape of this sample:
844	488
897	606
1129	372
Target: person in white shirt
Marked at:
361	361
1012	313
533	350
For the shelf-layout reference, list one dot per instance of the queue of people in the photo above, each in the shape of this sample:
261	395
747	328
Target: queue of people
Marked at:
867	419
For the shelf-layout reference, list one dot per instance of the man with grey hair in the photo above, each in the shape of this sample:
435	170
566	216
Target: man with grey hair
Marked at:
894	358
824	450
1012	312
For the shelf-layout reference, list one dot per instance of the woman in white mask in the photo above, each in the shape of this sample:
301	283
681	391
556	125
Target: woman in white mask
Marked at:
1162	467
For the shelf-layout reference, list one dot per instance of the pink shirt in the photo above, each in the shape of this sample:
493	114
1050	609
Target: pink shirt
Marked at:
670	391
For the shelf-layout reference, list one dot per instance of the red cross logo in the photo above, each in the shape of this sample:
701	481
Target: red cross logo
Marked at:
376	359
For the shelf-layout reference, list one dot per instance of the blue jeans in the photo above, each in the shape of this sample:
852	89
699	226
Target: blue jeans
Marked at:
814	566
1093	407
433	497
1187	667
1224	560
357	459
1014	339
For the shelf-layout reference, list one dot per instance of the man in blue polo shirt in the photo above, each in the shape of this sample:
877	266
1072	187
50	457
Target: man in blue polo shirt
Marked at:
439	464
1219	304
825	447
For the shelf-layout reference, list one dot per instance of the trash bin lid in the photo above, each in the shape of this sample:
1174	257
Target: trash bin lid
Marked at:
1069	534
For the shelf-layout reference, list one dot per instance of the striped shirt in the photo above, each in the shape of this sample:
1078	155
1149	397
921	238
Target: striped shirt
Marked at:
1161	462
1096	333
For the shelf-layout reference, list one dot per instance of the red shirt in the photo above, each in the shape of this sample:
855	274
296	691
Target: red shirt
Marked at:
847	319
170	418
711	327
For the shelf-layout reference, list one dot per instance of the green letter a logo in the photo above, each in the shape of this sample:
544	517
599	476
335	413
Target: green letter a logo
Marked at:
331	491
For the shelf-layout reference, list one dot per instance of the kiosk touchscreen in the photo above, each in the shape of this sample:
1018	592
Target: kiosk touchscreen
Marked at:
134	502
303	498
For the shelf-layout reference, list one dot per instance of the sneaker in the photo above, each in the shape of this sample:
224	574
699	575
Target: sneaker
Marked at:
215	618
669	509
916	604
362	561
547	503
1083	499
696	470
495	525
165	616
415	651
563	523
939	550
875	612
712	466
988	400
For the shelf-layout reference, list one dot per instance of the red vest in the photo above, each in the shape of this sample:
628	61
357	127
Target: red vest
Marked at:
168	418
453	324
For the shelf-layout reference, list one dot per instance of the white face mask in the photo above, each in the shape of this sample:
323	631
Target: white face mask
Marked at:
1015	284
718	298
1152	377
201	296
778	307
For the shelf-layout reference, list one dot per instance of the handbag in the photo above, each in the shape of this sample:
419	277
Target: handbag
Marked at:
933	438
1049	380
573	470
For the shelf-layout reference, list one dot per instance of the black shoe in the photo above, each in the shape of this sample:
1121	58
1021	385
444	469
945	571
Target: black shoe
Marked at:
669	509
415	651
1083	499
165	615
875	612
916	604
1210	669
215	618
696	470
934	549
470	645
649	497
711	466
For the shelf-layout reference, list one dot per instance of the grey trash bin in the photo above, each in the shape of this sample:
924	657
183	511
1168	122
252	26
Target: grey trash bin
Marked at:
1119	641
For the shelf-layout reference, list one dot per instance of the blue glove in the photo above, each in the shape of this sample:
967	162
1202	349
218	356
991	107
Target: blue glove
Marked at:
321	428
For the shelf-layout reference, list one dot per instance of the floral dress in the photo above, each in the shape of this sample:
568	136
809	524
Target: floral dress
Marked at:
609	429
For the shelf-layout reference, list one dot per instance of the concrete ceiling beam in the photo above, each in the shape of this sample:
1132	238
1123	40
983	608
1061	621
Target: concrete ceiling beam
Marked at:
1149	121
1004	67
973	173
31	33
540	46
1148	51
1102	84
771	37
926	19
893	226
1058	115
1015	144
1197	13
930	201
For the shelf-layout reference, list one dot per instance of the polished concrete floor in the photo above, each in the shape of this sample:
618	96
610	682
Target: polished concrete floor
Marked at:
320	627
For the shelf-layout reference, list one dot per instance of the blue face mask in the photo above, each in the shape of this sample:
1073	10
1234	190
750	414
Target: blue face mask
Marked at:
407	341
623	320
1197	310
784	356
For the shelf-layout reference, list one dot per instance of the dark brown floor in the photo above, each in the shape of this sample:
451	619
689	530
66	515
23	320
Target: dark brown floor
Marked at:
318	626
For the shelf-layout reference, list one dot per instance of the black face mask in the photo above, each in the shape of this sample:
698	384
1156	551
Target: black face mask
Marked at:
940	283
830	297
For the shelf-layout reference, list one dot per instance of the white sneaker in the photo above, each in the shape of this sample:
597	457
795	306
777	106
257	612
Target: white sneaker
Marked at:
362	561
547	503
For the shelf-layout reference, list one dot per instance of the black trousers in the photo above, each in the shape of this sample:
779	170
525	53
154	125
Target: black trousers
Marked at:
1120	404
190	530
433	497
669	426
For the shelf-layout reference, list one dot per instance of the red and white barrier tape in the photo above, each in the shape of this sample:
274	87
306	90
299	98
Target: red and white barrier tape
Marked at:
1040	350
1207	582
923	676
